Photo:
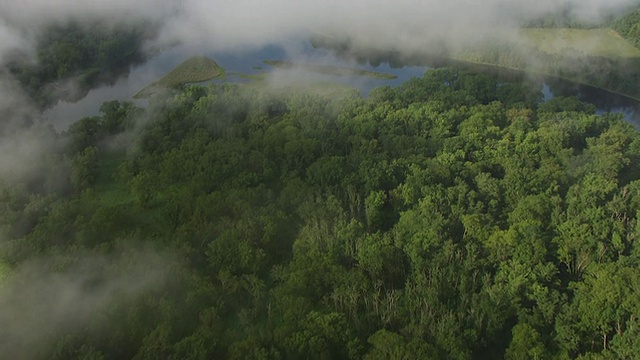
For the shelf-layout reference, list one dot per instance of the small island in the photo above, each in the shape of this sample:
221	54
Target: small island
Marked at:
193	70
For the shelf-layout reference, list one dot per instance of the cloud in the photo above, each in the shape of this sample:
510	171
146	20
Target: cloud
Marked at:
32	13
223	25
26	145
37	302
249	23
10	38
402	23
61	295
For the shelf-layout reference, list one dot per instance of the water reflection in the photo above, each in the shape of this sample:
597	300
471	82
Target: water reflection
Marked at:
65	113
603	100
251	62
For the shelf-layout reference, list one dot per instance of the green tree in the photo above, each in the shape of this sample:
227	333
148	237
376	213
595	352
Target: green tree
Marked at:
85	168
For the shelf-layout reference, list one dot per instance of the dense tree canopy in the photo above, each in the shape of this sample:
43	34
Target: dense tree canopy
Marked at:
447	218
628	26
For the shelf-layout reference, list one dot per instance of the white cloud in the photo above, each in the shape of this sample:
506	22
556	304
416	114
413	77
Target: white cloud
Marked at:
41	299
243	23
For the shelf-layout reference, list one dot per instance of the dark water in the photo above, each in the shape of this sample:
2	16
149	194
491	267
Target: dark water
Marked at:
251	62
603	100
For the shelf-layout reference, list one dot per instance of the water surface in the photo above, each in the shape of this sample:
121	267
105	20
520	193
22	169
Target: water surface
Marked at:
251	62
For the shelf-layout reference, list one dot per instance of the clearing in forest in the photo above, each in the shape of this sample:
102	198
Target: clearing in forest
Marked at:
590	42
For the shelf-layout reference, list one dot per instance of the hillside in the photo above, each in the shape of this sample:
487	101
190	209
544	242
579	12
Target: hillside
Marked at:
628	26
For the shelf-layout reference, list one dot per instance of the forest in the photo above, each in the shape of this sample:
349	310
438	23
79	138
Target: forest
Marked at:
452	217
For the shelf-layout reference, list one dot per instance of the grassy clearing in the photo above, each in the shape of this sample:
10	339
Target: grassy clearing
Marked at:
329	70
194	70
590	42
595	57
110	190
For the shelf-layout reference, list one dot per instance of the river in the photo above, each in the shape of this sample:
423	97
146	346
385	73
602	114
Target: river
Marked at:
251	62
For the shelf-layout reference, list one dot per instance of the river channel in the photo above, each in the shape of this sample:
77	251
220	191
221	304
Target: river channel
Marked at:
251	62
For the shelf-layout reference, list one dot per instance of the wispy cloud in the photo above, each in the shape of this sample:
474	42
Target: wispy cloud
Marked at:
245	23
44	298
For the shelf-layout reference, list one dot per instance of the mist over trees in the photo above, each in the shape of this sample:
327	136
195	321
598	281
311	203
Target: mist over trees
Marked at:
450	217
456	216
74	57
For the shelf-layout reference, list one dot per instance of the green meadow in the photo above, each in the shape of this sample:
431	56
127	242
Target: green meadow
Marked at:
598	58
590	42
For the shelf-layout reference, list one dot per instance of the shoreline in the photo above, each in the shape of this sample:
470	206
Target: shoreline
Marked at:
545	75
